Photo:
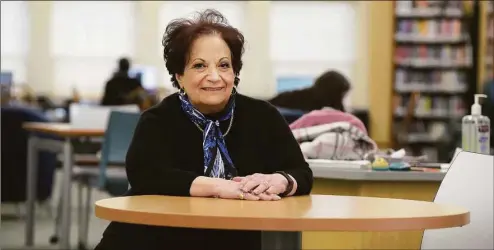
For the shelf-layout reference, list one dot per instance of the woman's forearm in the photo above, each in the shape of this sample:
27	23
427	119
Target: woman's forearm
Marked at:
205	186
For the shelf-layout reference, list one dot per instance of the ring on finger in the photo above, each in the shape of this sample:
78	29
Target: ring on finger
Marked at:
241	196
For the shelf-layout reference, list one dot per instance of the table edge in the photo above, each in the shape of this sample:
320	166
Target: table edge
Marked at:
282	224
71	132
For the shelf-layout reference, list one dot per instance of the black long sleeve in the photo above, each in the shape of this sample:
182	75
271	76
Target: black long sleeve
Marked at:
150	168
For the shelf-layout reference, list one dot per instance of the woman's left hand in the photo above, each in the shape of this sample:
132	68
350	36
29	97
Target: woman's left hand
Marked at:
263	183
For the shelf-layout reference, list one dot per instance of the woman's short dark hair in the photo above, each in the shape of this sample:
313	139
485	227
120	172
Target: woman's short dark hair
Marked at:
181	33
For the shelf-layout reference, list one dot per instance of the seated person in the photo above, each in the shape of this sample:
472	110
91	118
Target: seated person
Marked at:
207	140
328	90
122	89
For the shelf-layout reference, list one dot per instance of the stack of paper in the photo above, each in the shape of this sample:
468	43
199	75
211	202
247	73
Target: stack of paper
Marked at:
363	164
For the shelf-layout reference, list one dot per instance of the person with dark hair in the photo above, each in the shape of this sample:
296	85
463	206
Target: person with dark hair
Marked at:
328	90
121	89
207	140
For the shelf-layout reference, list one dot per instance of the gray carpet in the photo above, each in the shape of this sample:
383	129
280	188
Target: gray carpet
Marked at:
13	227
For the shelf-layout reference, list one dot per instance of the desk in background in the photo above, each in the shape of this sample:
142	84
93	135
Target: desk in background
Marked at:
35	143
412	185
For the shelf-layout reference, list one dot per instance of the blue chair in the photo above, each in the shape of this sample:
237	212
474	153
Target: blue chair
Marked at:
110	176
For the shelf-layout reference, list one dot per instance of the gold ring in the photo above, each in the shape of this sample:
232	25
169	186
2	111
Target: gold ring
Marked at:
241	196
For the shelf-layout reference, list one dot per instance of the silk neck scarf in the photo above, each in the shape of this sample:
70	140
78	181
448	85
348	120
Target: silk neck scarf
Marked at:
217	161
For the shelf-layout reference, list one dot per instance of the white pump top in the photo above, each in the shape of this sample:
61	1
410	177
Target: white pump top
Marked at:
476	108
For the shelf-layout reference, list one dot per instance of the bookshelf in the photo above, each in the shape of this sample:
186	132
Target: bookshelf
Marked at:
489	45
433	63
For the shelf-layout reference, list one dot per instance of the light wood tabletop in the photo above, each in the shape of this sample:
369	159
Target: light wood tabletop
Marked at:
304	213
61	129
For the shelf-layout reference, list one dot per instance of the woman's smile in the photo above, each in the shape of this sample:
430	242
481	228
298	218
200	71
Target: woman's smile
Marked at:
213	89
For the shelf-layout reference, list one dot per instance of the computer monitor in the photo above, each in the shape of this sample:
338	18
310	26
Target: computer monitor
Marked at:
293	83
146	74
6	78
6	81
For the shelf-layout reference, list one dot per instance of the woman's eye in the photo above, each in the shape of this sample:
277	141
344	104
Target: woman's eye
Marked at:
198	66
225	65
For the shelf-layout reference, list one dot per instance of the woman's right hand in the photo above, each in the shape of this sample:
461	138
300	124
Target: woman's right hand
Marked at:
227	189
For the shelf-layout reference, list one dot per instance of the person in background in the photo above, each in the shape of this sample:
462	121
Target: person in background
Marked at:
122	89
329	90
207	140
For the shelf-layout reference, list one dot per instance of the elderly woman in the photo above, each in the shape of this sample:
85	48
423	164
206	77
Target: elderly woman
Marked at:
207	140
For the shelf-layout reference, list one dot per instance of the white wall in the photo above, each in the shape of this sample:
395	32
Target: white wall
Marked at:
14	39
257	77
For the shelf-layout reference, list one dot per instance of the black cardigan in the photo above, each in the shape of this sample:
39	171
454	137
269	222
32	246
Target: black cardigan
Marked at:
166	155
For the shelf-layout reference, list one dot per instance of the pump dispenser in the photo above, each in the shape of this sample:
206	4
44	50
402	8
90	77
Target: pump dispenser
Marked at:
475	129
476	108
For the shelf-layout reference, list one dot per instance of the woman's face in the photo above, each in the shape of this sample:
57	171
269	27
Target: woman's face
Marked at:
208	76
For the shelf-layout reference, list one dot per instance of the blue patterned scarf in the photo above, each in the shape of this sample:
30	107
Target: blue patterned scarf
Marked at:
217	161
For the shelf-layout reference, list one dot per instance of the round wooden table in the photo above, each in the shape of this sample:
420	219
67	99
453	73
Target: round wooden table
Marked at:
282	221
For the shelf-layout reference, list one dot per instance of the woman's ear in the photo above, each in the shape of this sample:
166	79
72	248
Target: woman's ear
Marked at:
179	79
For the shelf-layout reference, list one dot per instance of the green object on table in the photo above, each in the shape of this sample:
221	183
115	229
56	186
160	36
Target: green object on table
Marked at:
380	164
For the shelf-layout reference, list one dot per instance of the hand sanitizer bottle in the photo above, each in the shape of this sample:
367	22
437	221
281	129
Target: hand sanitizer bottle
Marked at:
475	130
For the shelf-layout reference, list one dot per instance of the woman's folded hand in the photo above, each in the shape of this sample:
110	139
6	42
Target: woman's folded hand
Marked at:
260	184
227	189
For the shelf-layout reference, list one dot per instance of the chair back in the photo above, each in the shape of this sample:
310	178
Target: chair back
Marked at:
118	135
94	116
468	184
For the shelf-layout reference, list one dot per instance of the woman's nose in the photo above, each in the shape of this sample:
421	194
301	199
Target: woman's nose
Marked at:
213	75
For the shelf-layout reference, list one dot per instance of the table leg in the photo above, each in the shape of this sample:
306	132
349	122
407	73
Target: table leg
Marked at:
66	192
32	182
281	240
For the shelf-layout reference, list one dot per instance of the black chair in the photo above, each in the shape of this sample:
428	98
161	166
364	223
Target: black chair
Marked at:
290	115
363	115
14	156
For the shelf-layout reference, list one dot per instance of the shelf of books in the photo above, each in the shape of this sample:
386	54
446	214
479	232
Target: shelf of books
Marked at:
433	60
489	47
